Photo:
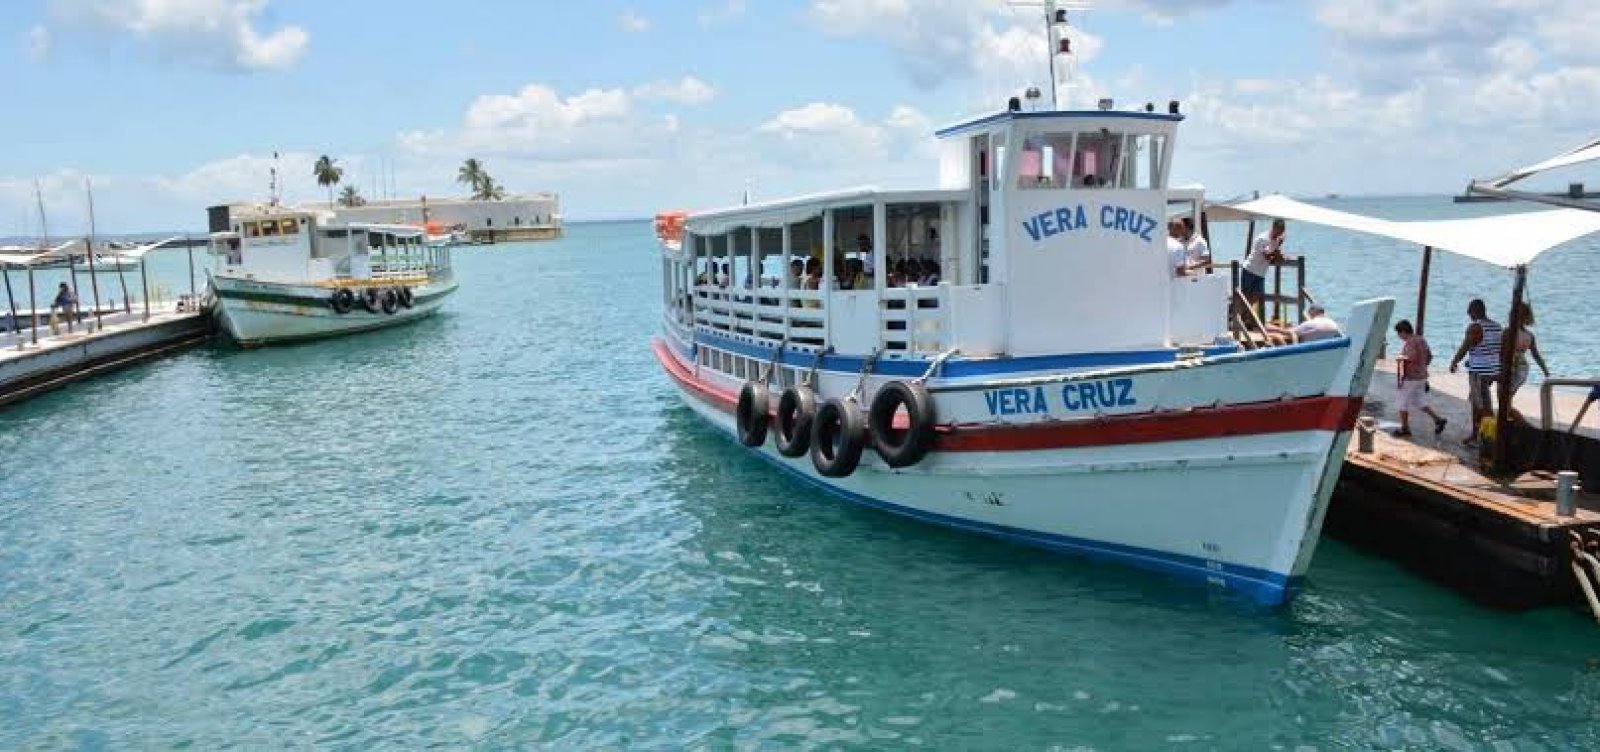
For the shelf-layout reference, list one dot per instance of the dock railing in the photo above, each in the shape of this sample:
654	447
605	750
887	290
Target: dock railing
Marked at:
1547	401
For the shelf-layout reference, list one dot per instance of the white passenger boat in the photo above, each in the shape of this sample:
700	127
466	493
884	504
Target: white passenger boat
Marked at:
1045	378
282	275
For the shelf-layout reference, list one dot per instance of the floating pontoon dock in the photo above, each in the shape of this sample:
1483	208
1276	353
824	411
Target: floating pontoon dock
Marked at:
119	339
1427	502
44	349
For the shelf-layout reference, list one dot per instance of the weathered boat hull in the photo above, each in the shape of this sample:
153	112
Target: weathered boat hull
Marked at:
261	313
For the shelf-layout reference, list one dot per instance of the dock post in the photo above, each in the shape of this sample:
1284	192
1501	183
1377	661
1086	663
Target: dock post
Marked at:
94	284
190	246
11	301
1508	341
33	307
144	282
1422	288
1566	487
1366	427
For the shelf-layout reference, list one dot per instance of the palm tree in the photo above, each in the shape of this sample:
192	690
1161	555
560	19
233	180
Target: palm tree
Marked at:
328	174
489	190
351	196
472	175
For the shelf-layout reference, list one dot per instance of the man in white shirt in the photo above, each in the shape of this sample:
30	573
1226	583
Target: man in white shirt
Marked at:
1317	326
1197	251
1267	249
1177	255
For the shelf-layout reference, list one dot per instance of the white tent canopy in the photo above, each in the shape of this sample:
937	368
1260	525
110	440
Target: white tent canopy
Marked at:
1508	240
1586	153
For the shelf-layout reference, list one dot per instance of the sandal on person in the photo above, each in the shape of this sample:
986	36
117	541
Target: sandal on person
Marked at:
1401	434
1438	426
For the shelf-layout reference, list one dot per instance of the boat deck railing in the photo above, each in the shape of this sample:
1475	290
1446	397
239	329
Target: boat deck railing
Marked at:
909	320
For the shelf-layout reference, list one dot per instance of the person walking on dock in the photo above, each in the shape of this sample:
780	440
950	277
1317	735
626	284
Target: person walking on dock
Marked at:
1412	371
1481	349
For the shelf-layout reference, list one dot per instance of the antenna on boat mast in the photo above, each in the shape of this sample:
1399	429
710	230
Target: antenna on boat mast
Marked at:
1056	23
44	226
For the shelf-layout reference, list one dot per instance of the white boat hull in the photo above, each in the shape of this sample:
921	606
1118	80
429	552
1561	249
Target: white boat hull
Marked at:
261	313
1226	483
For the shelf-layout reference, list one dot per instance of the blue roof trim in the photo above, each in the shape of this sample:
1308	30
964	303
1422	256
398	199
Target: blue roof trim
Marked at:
1259	585
1000	116
958	367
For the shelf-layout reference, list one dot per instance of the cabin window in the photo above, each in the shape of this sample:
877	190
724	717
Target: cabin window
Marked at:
339	233
252	230
269	228
1098	159
288	226
1045	161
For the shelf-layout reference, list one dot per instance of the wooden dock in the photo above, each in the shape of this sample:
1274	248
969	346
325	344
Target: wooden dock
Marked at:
119	339
1428	503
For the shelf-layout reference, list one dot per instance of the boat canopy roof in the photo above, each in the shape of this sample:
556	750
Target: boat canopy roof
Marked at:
774	214
985	121
52	256
1507	240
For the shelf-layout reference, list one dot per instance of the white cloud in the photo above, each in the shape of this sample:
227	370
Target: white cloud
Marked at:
221	33
687	90
537	123
38	44
137	203
631	21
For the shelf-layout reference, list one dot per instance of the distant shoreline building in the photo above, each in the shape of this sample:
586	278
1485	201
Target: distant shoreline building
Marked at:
533	216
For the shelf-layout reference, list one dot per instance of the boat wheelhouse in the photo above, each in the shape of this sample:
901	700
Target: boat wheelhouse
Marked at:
283	274
1015	353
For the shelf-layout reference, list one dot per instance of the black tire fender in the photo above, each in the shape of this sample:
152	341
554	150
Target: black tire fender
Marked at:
370	300
406	296
797	407
901	447
342	301
389	300
751	415
838	434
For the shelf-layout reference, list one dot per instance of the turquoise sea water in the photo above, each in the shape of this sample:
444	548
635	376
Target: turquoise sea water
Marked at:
499	528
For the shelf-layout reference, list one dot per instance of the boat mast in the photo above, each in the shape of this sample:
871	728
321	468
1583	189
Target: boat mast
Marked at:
1056	24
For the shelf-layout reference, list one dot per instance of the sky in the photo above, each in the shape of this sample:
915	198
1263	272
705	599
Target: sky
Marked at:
633	106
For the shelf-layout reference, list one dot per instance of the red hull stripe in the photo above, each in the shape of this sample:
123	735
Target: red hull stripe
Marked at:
1305	414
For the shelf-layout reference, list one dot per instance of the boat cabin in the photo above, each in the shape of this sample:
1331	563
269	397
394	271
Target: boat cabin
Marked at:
302	246
1046	234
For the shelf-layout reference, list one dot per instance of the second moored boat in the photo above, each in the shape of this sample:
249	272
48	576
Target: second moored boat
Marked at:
283	275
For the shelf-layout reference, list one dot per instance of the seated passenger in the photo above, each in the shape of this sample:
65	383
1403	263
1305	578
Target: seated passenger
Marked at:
930	274
797	273
855	276
913	273
1317	326
897	274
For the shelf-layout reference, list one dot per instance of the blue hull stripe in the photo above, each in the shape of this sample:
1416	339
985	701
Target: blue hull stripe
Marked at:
958	368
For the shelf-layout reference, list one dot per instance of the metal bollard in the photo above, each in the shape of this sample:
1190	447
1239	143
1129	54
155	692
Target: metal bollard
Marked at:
1566	489
1366	427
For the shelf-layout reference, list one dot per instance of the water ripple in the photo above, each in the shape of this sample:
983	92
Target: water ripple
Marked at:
496	528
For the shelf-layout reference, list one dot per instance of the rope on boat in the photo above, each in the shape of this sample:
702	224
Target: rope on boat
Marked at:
936	366
816	365
866	370
1579	557
773	362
